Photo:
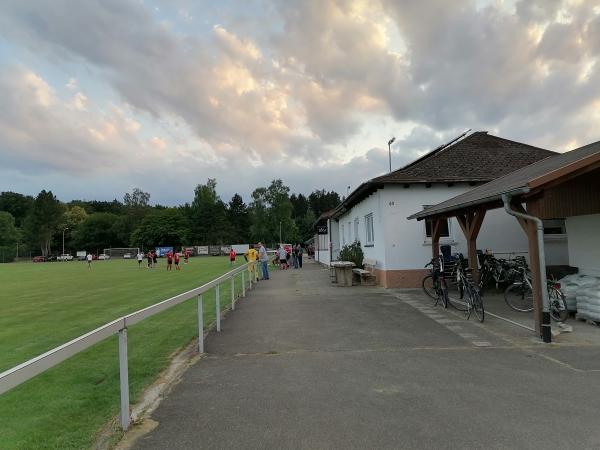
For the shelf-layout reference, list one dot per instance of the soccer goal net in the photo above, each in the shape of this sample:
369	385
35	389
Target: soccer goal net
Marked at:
130	252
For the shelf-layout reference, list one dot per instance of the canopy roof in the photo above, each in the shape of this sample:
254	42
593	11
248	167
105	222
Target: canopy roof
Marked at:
525	180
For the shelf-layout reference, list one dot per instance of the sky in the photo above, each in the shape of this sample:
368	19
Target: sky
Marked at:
100	97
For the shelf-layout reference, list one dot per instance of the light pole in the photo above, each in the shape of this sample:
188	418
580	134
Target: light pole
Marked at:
390	142
64	229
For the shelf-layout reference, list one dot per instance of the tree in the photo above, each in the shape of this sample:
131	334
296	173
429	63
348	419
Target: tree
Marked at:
95	232
74	216
113	207
17	205
42	222
271	211
9	237
208	215
300	205
305	226
137	199
239	219
164	227
322	201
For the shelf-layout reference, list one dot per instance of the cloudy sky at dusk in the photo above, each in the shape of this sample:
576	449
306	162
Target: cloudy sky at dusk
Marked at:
98	97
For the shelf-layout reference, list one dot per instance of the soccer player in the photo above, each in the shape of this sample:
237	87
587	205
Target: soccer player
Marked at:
176	259
140	258
149	258
186	256
89	260
232	255
170	261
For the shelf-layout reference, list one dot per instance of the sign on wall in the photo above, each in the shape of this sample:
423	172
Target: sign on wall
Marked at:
322	229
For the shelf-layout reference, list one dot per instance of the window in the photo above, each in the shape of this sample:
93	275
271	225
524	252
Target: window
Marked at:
350	232
369	234
356	229
554	226
445	229
343	236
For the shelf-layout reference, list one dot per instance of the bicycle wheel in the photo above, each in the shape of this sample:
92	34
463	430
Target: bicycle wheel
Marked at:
442	293
460	305
478	305
558	306
519	297
428	287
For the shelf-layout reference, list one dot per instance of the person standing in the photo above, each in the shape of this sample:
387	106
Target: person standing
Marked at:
149	258
169	261
186	256
299	253
89	260
140	258
232	255
263	257
154	258
176	259
295	256
252	256
282	257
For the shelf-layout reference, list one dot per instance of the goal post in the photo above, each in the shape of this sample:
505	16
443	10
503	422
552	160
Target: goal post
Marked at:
120	252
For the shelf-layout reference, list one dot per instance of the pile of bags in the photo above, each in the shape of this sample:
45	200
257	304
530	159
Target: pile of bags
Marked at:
582	294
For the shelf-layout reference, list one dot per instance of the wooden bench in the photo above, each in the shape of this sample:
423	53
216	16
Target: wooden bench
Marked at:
364	277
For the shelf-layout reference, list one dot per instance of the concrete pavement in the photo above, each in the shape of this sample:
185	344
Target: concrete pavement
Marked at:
304	364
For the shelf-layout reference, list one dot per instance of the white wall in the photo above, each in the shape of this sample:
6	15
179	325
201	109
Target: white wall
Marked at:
370	205
322	248
584	243
401	244
334	232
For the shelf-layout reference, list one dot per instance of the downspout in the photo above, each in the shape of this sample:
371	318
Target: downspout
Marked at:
546	329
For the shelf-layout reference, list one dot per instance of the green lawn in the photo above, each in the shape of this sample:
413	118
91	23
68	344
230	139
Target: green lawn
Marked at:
46	304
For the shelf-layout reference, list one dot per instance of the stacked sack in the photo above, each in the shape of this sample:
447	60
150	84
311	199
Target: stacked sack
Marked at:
569	286
578	290
588	302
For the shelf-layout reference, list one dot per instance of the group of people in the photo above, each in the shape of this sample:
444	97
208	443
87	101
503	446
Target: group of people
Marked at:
172	257
253	256
286	255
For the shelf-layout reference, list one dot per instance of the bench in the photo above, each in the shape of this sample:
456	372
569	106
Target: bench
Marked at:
364	277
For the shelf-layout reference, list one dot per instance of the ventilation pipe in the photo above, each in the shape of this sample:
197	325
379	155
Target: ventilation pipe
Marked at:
546	329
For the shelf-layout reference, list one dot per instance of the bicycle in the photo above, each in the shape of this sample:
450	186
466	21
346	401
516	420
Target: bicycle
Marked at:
473	301
519	296
434	284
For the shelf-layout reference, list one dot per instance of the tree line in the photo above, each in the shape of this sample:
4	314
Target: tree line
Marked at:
32	226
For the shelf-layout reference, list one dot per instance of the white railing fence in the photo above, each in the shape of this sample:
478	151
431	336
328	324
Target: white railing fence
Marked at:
29	369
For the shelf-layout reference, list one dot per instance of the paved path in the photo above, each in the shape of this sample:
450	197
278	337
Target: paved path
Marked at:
303	364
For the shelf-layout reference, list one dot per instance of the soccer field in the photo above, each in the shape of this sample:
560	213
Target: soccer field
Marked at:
44	305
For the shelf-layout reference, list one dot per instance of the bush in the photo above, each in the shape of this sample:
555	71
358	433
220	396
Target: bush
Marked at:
353	252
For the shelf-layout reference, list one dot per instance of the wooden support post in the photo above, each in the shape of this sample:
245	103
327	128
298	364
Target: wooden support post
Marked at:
470	222
534	262
436	231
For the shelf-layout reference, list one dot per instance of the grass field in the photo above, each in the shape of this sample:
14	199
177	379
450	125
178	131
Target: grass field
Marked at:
44	305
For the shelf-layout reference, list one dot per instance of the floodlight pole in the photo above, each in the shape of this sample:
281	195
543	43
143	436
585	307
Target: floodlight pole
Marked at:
390	142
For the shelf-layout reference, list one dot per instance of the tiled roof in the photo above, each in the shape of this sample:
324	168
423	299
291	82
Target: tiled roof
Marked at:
479	157
518	180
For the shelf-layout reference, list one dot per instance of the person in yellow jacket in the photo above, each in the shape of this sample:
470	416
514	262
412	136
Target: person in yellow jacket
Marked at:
252	257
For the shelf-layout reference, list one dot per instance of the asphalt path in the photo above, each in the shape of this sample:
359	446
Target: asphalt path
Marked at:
303	364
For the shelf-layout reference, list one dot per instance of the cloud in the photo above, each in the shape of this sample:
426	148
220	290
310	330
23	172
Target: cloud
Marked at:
308	90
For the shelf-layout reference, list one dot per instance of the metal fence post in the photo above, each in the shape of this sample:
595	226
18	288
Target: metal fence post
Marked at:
124	378
243	283
232	292
218	307
200	324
